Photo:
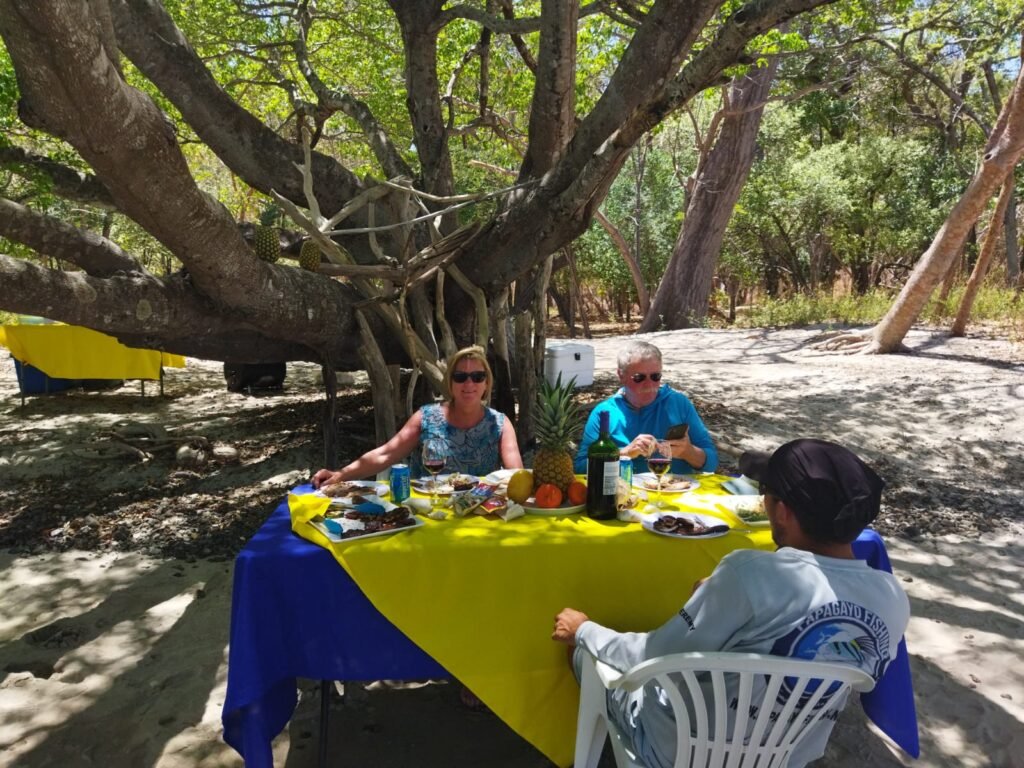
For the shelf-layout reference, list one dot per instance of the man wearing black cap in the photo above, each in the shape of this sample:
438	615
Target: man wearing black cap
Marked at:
810	599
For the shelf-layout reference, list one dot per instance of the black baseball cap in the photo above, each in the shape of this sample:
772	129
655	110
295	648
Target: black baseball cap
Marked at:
833	492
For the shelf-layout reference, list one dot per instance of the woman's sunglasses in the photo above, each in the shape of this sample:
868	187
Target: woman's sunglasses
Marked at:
638	377
478	377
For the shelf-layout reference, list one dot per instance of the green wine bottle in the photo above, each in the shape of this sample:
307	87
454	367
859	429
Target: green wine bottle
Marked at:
602	473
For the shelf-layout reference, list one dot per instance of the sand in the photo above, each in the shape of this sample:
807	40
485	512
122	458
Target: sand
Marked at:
117	657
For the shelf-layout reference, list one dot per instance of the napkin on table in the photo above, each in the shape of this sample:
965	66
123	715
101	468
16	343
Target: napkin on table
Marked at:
741	486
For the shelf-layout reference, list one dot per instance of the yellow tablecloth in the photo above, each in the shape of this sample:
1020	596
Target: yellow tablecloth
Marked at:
480	597
72	352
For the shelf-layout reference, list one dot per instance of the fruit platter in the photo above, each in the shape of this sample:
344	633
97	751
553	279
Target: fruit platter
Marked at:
545	498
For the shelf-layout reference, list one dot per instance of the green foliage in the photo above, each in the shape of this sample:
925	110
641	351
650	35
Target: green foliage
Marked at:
644	205
994	303
817	308
8	95
854	175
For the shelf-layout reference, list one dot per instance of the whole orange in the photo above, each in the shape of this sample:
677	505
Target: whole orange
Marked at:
577	492
548	496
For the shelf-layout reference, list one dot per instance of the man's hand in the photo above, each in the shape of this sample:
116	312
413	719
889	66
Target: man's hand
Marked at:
687	451
566	624
681	448
323	477
641	445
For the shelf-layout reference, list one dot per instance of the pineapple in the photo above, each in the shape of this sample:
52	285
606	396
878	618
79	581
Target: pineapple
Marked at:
265	241
309	256
556	422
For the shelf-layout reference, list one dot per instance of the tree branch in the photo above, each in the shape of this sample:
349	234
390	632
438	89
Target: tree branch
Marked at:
95	254
265	161
955	97
64	75
384	150
507	25
68	182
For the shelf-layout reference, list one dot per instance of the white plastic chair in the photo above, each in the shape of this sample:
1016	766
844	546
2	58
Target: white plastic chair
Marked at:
704	738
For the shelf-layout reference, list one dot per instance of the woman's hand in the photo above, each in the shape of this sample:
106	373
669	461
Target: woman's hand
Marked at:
566	624
325	477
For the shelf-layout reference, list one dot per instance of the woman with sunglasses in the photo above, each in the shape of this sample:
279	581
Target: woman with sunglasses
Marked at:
479	439
641	413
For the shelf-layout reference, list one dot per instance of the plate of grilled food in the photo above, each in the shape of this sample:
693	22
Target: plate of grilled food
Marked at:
685	525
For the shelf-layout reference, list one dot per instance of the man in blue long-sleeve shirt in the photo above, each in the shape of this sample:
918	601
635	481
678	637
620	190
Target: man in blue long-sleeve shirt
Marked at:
640	414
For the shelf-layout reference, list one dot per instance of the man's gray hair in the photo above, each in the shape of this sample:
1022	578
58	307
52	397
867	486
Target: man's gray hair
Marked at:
636	352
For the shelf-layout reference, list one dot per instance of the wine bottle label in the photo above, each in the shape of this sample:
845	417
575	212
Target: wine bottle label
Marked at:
610	478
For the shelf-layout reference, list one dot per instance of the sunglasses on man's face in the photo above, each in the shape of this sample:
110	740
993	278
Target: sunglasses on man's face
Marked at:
639	377
478	377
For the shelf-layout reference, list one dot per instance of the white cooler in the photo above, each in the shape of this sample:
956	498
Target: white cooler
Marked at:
569	359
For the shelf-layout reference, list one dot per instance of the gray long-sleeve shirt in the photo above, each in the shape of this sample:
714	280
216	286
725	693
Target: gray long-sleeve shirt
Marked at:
787	603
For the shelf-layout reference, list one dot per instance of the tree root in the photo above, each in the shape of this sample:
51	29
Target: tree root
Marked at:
142	442
845	342
106	451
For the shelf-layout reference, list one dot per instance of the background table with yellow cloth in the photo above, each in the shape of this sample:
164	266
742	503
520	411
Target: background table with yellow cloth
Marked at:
480	595
72	352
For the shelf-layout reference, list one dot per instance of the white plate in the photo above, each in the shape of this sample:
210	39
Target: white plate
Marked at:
356	525
423	484
707	520
749	509
649	481
372	486
498	476
531	508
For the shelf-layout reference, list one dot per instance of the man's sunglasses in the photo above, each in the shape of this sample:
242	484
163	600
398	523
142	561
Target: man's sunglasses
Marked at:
478	377
638	377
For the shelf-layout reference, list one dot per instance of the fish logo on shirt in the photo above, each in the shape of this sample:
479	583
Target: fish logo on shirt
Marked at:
840	632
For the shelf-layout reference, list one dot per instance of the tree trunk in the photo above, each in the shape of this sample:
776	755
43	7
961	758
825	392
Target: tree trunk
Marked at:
1010	232
949	278
1002	152
384	422
619	241
503	398
574	288
984	259
227	303
330	415
682	297
522	324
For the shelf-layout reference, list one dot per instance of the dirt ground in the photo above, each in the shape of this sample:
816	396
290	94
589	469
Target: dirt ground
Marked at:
115	583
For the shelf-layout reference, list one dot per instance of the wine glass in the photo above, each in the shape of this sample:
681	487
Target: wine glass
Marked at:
435	455
659	461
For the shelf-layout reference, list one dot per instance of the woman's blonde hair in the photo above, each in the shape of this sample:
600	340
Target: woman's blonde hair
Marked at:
468	353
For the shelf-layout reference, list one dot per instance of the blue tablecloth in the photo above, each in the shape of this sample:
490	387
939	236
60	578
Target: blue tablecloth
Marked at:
296	613
891	704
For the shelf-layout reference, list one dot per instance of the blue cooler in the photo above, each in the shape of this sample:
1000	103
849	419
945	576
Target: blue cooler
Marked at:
32	381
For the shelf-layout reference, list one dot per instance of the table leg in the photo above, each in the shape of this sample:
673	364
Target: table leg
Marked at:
325	714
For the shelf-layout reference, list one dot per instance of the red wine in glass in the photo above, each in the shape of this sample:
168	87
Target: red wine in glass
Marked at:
659	461
435	454
659	466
